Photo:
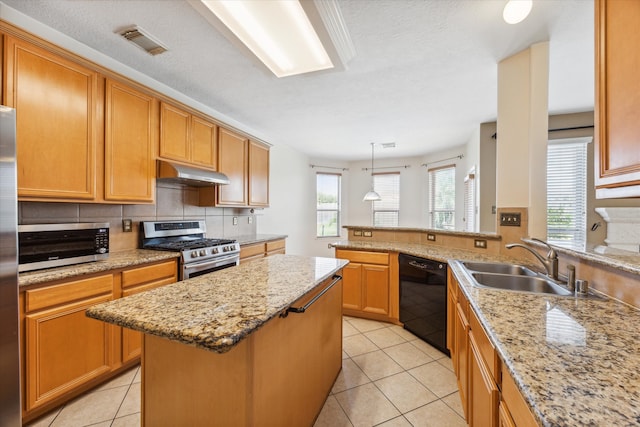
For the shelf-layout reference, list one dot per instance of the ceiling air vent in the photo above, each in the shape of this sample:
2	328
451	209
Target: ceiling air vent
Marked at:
140	38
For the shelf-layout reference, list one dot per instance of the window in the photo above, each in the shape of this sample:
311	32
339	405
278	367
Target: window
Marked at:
328	205
386	212
567	192
442	198
470	202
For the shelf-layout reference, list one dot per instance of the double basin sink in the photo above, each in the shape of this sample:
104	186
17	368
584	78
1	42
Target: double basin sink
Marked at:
513	277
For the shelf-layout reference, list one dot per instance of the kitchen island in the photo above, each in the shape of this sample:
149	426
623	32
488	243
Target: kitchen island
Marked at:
228	348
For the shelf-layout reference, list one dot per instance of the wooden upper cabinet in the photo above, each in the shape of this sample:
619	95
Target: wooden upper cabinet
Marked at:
617	107
56	102
232	161
204	142
258	174
187	138
174	133
130	137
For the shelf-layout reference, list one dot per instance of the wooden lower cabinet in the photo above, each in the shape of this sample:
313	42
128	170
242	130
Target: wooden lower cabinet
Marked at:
280	375
65	353
138	280
366	283
260	250
64	349
488	393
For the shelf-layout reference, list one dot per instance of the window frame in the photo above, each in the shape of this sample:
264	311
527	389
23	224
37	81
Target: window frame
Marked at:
432	197
470	201
338	210
373	204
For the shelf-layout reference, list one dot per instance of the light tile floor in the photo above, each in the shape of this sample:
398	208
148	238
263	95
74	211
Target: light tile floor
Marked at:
389	378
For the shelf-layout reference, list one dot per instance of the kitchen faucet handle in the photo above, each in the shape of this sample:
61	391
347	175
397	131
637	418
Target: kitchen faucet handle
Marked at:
552	252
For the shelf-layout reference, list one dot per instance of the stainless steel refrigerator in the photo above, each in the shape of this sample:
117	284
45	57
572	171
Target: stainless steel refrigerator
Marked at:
10	408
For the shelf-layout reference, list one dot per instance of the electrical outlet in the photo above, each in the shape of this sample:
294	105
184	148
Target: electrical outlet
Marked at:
431	237
235	220
250	219
127	225
357	233
480	243
510	219
367	234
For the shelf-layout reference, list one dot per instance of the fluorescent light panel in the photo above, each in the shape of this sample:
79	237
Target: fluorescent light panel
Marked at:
278	32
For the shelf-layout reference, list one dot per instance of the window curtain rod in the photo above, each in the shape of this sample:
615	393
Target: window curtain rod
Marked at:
388	167
495	135
459	156
328	167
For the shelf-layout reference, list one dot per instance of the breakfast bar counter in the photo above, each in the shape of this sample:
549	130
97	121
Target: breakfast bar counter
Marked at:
226	349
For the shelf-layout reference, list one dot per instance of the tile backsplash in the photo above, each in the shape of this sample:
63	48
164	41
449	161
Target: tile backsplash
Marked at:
173	202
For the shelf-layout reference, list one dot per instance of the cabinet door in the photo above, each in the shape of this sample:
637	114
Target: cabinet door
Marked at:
232	161
617	107
139	280
64	349
375	289
504	417
352	286
204	137
258	174
451	322
174	133
56	103
130	135
462	347
483	392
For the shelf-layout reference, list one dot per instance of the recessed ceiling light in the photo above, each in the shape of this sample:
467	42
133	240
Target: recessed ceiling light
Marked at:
277	32
288	36
516	11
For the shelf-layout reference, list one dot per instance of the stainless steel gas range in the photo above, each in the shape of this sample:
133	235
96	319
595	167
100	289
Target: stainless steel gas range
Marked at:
198	255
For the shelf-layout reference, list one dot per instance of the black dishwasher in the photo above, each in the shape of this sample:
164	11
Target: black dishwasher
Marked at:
423	299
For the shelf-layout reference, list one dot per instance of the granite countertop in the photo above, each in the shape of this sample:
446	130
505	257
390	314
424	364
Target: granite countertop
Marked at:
217	310
436	253
576	360
116	260
489	236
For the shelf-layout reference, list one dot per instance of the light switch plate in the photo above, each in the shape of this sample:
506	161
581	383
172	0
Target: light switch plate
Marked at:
367	234
431	237
510	219
235	220
127	225
480	243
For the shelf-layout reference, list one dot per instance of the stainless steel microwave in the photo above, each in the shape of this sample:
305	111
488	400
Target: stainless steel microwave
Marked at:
55	245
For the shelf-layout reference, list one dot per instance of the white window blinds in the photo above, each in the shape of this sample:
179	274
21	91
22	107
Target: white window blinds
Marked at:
386	212
567	192
442	197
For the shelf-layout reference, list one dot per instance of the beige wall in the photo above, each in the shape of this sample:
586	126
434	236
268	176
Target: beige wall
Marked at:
522	134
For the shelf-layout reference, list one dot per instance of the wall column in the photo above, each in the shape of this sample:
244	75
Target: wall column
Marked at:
522	129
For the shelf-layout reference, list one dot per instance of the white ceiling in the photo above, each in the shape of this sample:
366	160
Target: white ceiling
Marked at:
424	75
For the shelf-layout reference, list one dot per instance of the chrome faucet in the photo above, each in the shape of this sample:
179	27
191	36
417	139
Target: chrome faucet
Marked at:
550	262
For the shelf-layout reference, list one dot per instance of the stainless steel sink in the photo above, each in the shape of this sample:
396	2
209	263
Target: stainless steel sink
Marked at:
520	283
500	268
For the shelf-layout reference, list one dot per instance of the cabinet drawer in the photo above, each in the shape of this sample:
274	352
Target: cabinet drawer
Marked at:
485	347
72	291
275	245
364	257
517	406
152	273
251	250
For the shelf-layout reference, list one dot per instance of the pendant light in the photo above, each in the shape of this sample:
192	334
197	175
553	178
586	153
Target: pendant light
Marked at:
371	196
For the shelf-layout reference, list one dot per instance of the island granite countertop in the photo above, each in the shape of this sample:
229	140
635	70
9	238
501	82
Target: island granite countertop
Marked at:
217	310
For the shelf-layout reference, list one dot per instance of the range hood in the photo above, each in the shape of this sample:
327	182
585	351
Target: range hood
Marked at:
172	172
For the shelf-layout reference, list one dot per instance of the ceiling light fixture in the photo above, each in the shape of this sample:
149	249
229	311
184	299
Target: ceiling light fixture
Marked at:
516	11
278	32
371	196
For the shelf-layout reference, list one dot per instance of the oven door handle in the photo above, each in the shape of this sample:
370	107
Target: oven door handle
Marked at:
212	262
336	278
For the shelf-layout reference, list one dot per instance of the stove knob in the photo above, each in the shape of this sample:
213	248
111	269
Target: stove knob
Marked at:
214	250
203	252
194	254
